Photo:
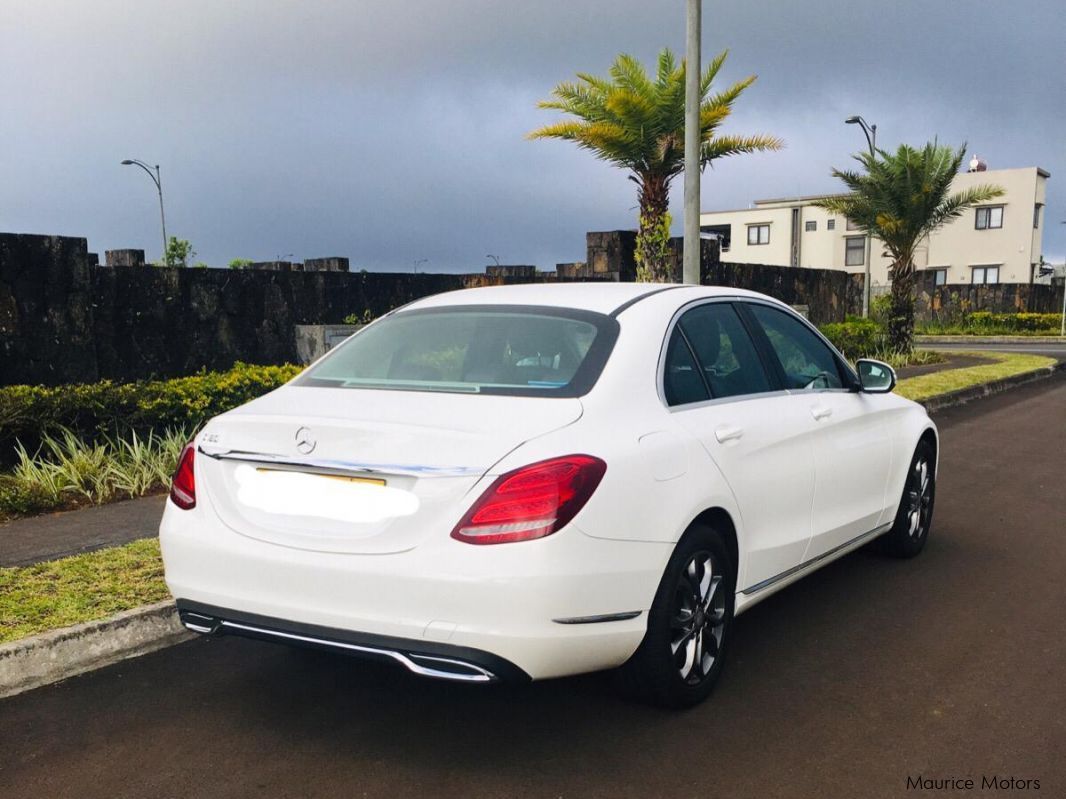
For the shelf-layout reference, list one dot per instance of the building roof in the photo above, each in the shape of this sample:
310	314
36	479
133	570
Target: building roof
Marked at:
808	198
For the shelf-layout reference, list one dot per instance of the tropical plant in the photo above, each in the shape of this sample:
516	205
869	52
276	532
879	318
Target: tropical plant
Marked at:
179	252
900	198
638	123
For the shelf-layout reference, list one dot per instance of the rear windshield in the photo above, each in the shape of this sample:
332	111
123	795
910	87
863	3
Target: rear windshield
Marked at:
516	350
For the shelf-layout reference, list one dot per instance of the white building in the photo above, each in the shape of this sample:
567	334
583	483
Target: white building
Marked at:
999	242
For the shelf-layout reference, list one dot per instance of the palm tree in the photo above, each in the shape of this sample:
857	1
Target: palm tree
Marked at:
901	198
638	124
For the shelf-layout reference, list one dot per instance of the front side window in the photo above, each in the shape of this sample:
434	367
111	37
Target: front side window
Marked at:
985	274
758	234
726	355
473	349
989	217
854	251
805	359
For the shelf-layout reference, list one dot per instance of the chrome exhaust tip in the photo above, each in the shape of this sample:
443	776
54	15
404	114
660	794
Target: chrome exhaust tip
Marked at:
199	623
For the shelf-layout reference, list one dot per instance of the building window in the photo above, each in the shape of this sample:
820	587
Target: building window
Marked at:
854	251
831	224
1036	215
940	276
985	275
811	226
758	234
853	225
989	217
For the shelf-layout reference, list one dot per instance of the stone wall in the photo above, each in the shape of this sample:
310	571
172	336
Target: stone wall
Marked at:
64	321
954	298
829	294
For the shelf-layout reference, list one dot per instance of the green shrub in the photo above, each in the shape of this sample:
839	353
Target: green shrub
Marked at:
29	413
856	337
18	498
986	323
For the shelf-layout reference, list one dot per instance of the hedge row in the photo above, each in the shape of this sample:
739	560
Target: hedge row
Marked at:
26	412
977	323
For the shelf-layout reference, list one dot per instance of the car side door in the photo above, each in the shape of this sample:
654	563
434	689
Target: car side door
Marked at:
720	389
853	443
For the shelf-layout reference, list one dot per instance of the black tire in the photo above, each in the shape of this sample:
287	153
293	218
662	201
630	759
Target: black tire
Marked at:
682	653
914	516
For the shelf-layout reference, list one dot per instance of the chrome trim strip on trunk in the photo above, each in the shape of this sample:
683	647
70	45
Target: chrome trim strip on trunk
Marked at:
629	614
789	572
344	467
475	673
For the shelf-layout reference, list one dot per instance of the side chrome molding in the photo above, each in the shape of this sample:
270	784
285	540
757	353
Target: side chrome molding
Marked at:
629	614
857	540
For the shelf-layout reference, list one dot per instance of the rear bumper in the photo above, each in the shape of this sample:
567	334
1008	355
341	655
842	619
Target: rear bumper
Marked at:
425	658
562	605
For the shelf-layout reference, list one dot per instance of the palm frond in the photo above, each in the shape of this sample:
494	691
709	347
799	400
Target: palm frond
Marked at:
722	146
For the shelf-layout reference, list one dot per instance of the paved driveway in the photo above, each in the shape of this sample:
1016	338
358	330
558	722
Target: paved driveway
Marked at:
870	671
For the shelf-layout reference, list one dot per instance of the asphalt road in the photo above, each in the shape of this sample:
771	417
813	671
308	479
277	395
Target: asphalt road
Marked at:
952	665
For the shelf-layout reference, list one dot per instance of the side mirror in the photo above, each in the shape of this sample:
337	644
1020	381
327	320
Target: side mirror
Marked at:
875	377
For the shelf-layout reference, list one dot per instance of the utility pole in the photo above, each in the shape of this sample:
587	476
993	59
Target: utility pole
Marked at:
691	252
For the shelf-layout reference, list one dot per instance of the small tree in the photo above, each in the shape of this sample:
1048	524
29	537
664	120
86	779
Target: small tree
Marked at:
901	198
240	263
179	252
638	123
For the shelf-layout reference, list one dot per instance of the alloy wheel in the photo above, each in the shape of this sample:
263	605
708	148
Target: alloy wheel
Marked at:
919	499
698	620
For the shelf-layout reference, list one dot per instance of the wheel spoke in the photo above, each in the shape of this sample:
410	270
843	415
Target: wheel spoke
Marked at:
711	589
690	657
681	641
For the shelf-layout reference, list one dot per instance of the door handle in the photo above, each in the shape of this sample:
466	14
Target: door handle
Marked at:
724	434
820	412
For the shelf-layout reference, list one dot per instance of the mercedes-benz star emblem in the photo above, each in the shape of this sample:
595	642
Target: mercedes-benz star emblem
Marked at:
305	441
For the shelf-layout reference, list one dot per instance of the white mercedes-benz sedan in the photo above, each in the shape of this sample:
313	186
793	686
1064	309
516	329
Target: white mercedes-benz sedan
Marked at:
524	482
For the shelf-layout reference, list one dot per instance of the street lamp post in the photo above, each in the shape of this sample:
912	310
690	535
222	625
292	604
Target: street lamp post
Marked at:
871	140
691	252
159	187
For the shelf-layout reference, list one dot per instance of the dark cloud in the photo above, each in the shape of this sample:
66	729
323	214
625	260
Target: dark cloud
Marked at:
391	132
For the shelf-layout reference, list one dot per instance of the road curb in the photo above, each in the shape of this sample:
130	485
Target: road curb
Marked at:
964	395
965	340
56	655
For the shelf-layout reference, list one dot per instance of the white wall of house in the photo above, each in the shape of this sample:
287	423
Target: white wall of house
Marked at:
997	243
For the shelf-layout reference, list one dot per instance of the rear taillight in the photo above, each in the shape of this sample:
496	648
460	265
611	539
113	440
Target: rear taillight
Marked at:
531	502
183	486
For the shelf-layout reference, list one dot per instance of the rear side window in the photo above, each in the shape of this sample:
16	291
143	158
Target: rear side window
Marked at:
805	359
724	350
681	376
474	349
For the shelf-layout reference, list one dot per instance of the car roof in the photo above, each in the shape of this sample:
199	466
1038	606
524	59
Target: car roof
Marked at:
602	297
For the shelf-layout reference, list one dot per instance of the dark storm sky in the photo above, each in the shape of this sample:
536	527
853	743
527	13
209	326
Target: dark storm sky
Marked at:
394	131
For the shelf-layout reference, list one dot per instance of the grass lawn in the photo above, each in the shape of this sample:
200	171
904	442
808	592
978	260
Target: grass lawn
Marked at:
59	593
923	387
